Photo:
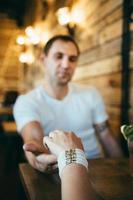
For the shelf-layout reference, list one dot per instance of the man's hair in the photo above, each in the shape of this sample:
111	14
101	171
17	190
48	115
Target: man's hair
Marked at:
65	38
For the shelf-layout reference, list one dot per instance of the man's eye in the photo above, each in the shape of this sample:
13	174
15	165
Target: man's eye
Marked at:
59	56
73	59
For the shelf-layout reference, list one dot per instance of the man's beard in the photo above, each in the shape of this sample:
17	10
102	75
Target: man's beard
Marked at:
63	80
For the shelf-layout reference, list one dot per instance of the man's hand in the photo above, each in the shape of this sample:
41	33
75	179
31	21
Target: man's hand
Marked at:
39	156
35	147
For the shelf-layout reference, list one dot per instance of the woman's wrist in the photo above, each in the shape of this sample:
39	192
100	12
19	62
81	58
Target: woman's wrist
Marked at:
71	157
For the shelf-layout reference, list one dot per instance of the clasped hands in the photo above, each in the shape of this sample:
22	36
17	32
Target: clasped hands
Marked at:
43	155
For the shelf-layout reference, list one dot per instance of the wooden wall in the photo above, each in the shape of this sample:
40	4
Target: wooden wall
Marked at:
100	61
10	67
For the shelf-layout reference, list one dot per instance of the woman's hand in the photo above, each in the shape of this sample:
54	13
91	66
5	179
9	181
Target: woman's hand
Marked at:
59	141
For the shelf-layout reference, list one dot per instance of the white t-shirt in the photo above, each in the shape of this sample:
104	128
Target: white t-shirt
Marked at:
78	112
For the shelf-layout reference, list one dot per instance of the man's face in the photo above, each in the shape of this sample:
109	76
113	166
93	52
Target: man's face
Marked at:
60	62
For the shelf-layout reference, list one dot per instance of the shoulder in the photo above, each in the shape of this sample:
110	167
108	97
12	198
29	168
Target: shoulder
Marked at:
29	98
35	93
88	94
83	89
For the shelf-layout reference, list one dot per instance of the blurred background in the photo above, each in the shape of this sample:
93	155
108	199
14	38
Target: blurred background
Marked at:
103	30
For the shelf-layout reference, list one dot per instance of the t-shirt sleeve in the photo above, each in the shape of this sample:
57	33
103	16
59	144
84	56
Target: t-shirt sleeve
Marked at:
25	111
99	113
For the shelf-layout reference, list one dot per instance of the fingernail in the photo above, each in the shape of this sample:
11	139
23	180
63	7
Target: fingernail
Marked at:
46	146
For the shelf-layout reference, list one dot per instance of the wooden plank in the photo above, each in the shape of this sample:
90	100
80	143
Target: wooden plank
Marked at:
89	6
39	186
114	113
108	20
111	80
114	120
101	67
108	167
9	127
92	33
5	110
99	28
101	52
89	41
109	86
112	179
7	24
104	10
96	11
112	97
115	29
4	41
115	15
115	128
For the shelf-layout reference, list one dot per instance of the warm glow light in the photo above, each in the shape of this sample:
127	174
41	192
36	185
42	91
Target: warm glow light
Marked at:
34	39
71	18
29	31
37	30
45	37
21	40
30	58
26	58
23	58
63	15
33	35
77	16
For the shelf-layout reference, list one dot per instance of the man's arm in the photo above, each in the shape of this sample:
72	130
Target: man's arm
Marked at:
107	140
32	134
32	131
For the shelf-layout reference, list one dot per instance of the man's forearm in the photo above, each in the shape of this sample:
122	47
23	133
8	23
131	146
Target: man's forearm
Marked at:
32	131
110	145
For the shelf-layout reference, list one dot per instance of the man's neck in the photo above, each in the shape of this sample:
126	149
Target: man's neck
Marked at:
56	91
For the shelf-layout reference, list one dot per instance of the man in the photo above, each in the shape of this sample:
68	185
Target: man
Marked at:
59	104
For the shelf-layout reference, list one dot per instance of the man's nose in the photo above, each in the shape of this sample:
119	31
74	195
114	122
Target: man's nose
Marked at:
65	63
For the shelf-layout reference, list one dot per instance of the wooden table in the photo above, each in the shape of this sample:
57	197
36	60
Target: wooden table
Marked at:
110	179
8	124
9	127
5	110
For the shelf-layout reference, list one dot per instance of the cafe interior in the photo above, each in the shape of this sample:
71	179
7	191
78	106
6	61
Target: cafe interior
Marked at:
103	31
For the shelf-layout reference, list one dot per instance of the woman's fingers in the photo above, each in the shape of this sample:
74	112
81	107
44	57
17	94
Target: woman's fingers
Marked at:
53	146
